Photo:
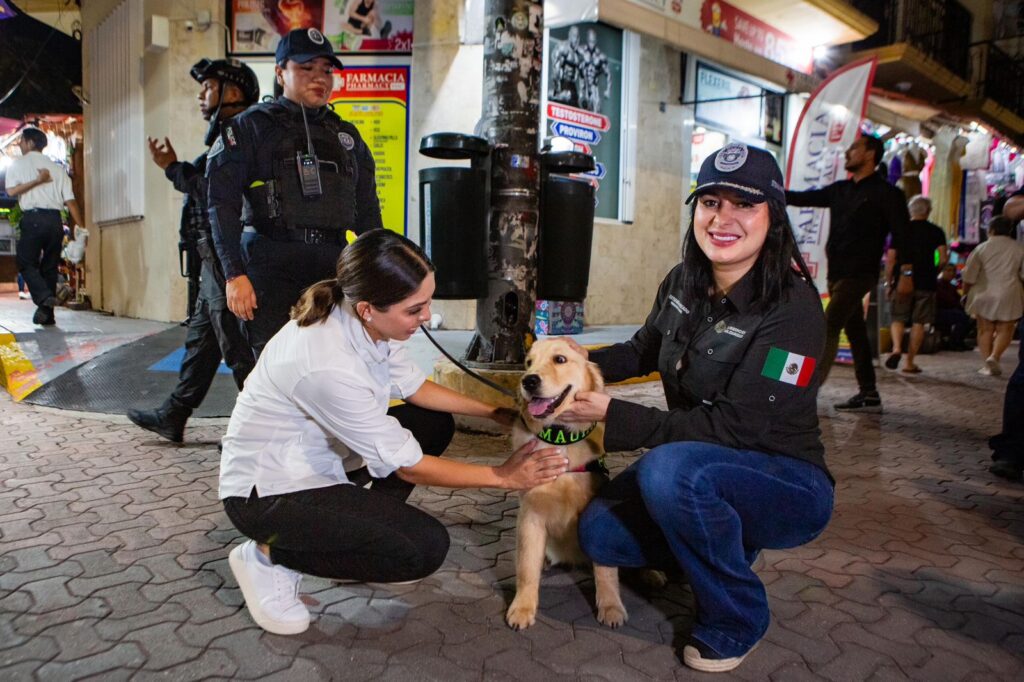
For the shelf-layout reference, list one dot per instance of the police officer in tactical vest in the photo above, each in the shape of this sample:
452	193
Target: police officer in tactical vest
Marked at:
288	178
227	87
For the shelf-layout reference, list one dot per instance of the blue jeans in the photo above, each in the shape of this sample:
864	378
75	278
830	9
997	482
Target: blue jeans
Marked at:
709	509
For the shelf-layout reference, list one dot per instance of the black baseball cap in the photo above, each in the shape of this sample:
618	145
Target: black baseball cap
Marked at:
749	171
303	45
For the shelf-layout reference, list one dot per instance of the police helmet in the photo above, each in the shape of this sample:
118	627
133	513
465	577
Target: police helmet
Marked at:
229	71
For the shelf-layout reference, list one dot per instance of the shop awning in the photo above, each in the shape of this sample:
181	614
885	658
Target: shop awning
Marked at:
830	22
905	69
39	66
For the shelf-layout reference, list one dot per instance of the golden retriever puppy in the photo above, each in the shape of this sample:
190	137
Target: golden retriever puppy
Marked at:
549	514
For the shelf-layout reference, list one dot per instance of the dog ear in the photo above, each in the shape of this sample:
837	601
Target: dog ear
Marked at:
596	379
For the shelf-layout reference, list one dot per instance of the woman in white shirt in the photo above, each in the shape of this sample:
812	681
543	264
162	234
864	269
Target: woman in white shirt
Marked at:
314	413
993	280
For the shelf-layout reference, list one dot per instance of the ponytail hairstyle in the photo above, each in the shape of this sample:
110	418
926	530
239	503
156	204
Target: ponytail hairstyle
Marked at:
381	267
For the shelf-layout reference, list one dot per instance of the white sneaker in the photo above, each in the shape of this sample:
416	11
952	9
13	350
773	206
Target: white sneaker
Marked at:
24	295
271	592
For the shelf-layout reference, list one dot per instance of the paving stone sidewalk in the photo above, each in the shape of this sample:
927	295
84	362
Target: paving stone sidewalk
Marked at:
113	564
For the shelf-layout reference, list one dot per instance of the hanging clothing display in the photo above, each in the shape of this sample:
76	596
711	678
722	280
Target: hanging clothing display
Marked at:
913	158
947	179
926	172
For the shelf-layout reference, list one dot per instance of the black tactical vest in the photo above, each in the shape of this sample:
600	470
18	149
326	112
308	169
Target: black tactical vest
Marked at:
278	203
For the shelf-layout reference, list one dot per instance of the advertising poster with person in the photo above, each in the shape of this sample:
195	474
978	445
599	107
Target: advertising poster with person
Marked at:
350	25
375	99
584	101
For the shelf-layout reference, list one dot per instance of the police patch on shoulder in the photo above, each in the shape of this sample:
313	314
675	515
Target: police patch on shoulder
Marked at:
229	136
217	148
346	140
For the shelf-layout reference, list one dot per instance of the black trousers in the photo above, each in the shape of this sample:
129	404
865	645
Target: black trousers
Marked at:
280	271
349	531
38	252
845	312
213	333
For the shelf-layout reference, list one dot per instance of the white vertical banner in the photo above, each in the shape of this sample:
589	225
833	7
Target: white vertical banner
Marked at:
828	124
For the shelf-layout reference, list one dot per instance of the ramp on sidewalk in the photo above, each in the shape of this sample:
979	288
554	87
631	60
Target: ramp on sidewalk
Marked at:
140	373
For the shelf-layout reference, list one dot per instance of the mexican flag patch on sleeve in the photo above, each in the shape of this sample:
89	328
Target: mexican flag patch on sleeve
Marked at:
787	367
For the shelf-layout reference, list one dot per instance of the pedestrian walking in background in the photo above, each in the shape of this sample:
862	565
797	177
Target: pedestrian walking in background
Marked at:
995	295
913	254
863	211
43	189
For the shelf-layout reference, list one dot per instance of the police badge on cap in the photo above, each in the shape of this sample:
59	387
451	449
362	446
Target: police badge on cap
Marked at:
315	36
749	171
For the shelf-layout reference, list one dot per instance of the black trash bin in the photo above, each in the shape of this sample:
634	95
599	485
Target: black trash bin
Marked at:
453	215
566	227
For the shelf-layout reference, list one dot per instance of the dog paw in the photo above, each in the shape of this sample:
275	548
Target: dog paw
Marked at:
520	617
613	616
654	578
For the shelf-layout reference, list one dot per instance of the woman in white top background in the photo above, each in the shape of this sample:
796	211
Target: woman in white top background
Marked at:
995	295
314	413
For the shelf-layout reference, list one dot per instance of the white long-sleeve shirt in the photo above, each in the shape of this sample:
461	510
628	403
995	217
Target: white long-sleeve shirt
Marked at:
315	406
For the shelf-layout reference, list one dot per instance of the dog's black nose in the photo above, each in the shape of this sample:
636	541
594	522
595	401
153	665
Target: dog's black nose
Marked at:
531	382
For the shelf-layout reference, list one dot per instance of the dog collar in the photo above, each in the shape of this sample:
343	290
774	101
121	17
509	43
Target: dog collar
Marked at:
556	434
594	466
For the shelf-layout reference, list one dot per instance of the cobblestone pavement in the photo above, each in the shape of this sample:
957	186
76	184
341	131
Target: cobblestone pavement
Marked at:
113	565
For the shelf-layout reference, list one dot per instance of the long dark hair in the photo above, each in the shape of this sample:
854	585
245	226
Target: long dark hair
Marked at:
380	267
779	255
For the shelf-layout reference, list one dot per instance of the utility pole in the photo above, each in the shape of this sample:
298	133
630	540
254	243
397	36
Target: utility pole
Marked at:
513	46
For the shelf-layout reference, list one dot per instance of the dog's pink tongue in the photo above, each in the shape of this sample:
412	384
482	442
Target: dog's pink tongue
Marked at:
538	406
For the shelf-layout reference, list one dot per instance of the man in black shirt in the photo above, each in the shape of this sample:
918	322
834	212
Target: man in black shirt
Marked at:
863	211
916	258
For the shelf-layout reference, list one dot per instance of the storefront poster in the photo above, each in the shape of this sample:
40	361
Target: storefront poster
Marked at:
741	29
729	103
350	25
375	99
828	124
584	101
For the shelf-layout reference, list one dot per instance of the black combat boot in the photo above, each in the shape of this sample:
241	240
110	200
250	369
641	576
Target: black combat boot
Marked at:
168	420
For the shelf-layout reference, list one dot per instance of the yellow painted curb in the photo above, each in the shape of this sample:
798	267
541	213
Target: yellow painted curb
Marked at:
17	373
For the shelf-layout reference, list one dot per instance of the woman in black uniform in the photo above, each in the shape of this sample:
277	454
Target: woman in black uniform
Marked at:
736	462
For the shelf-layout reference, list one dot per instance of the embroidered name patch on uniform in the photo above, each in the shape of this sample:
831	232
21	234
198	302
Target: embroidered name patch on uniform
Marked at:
787	367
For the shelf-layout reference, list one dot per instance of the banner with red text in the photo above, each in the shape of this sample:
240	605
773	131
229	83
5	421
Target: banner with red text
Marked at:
828	124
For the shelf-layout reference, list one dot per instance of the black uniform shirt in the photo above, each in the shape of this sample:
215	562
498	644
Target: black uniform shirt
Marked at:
243	154
861	214
713	357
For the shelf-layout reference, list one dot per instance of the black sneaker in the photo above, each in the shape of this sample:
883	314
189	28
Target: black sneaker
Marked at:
1006	469
699	656
167	421
863	402
44	316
